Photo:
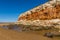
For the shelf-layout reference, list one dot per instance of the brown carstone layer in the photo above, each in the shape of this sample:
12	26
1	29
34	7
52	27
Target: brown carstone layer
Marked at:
44	14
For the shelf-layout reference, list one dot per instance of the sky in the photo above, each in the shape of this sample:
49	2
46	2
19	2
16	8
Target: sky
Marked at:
11	9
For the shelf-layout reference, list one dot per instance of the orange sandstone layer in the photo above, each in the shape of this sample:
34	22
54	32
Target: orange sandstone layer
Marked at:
44	14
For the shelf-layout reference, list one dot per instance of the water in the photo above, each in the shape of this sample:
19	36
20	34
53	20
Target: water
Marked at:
13	28
5	27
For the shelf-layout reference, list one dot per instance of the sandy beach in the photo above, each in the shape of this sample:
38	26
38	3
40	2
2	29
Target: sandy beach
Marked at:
15	35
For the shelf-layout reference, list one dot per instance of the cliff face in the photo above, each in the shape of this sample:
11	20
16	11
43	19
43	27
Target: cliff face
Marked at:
44	14
47	11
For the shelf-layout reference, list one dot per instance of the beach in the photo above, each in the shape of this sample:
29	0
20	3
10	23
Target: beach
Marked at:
6	34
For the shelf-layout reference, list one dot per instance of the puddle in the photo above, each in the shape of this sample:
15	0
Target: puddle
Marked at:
13	28
5	27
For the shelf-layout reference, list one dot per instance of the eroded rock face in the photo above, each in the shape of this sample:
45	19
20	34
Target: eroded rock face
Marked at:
42	15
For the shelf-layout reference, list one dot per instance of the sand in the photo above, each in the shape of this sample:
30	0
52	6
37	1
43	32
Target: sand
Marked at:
15	35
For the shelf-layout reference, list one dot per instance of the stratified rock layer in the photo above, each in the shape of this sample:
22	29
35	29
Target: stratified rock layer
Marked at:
47	12
42	15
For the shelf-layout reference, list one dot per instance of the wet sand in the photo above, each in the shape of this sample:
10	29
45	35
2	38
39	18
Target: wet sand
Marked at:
15	35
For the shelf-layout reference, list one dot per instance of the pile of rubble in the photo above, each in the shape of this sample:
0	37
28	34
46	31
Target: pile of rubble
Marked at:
21	27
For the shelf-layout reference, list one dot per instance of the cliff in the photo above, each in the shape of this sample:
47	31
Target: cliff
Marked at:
42	14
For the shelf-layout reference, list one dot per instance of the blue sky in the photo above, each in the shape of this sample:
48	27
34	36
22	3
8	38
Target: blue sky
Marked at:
11	9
